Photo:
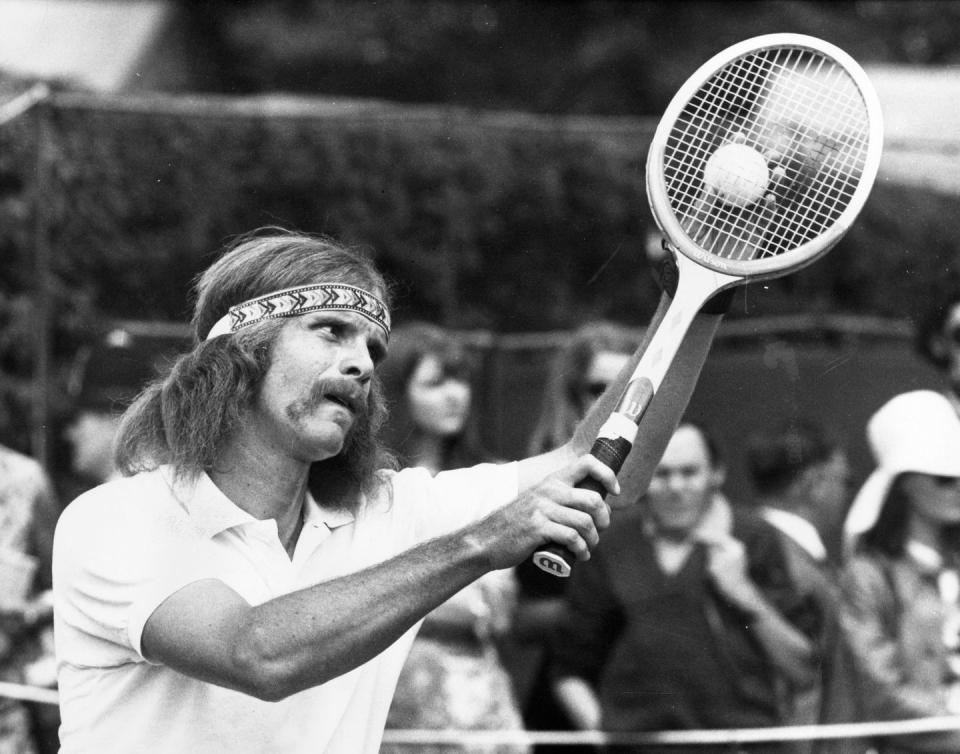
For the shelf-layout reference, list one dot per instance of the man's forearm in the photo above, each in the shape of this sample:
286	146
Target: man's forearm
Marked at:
579	702
788	649
308	637
313	635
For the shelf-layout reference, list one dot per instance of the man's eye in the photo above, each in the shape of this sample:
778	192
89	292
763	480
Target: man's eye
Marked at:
326	328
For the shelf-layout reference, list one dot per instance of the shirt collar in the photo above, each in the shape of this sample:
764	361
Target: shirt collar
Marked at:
209	509
212	512
799	530
318	515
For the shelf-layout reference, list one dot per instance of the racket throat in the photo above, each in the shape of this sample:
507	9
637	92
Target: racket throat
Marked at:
696	285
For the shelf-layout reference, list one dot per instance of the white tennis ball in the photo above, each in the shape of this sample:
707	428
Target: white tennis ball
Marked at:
738	174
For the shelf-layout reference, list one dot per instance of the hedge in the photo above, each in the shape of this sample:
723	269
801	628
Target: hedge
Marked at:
503	221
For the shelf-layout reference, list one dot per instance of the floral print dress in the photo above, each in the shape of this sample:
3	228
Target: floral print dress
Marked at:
27	517
453	678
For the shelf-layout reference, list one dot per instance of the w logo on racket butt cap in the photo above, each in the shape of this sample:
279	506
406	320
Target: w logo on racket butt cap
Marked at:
551	563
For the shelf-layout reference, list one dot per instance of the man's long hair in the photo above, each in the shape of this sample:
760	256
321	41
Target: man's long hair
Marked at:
185	418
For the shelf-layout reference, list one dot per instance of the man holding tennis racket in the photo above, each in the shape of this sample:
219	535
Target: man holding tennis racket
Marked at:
255	581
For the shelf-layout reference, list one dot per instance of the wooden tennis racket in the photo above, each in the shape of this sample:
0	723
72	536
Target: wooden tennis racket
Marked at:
759	166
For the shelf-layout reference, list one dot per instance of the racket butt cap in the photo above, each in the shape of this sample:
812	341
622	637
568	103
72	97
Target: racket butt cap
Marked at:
552	563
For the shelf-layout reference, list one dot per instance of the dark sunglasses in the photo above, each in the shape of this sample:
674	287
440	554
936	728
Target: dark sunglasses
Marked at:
595	389
953	335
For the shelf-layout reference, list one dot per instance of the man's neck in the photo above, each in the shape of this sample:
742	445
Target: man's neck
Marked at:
265	486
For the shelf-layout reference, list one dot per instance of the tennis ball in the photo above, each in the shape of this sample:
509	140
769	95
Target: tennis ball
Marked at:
738	174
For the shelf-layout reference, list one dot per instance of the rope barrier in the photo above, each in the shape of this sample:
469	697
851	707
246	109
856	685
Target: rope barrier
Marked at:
734	736
20	104
687	737
25	693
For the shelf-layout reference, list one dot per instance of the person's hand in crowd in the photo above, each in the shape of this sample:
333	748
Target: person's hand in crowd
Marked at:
727	566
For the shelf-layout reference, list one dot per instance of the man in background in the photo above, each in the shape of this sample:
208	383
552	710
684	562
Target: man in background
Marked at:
105	379
801	477
938	339
677	622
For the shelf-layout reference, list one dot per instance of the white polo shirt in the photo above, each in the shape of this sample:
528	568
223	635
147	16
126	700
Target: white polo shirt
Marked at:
122	548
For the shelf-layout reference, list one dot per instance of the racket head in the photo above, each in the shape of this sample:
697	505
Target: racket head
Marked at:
792	94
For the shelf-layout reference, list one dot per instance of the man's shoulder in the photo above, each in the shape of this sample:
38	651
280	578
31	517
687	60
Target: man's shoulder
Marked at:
411	483
123	502
747	519
760	538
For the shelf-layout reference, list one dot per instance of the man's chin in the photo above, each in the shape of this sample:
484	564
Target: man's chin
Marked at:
330	444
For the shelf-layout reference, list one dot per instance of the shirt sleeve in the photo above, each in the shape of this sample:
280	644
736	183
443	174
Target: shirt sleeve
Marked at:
437	505
115	561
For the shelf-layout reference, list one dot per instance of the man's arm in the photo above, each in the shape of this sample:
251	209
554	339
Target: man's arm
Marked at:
579	702
305	638
657	425
786	646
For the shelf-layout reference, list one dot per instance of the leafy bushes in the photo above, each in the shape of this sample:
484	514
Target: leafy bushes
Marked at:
507	222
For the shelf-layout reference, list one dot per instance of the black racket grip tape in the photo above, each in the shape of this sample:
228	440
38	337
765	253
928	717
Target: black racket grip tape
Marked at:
556	560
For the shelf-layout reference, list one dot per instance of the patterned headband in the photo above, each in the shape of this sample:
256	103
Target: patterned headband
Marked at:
292	302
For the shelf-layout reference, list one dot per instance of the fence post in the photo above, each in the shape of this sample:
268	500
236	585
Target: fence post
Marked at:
40	445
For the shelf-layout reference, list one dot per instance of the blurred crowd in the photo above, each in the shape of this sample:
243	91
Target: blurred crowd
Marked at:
812	602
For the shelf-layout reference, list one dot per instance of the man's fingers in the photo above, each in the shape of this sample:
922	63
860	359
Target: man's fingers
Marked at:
577	542
589	466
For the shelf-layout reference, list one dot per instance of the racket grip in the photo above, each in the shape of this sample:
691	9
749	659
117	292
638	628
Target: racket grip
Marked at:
612	452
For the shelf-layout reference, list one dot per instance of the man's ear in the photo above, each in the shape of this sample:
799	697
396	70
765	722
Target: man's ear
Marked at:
807	480
939	348
719	477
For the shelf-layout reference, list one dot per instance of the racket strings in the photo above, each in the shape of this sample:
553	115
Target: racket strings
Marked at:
806	115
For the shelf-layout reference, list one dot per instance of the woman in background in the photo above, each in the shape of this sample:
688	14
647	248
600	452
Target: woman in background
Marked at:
453	678
901	606
589	361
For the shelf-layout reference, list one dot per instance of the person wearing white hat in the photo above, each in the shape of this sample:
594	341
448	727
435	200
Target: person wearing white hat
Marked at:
900	609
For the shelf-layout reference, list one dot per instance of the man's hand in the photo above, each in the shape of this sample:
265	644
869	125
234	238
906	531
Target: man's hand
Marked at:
788	649
553	511
727	566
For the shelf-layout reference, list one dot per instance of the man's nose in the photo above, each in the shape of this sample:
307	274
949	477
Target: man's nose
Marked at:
675	482
355	359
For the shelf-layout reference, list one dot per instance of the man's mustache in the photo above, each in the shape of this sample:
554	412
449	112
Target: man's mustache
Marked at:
344	391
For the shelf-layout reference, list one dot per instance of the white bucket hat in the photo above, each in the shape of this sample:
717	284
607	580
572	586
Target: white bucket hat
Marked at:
917	431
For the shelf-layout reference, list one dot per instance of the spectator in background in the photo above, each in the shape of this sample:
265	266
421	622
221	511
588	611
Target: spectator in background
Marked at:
105	379
900	585
453	677
589	361
801	477
938	339
28	515
429	387
677	622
